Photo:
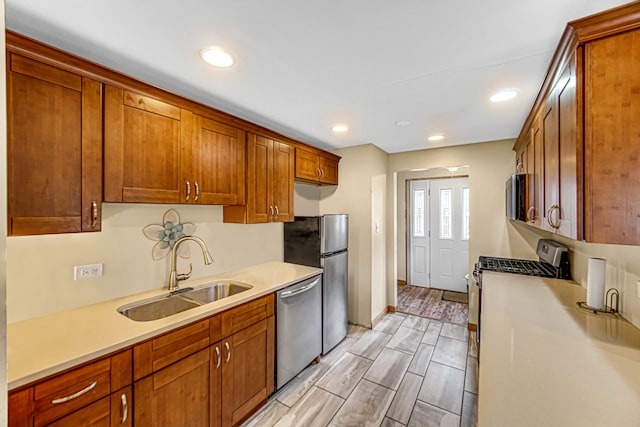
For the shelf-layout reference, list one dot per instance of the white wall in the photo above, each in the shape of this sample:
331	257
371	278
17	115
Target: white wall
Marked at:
3	228
306	200
623	264
40	268
490	164
360	172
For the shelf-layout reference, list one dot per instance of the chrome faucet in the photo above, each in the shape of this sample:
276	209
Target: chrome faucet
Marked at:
174	277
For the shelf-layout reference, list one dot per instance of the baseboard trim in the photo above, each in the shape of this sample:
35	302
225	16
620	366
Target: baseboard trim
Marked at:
402	282
378	318
472	327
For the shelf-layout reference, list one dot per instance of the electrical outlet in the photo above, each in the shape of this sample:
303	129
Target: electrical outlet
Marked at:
88	271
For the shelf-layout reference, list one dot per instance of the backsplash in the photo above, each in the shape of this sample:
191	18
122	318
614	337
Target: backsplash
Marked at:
622	268
40	268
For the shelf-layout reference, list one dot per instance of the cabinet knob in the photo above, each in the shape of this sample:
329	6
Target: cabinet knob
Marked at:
195	183
188	190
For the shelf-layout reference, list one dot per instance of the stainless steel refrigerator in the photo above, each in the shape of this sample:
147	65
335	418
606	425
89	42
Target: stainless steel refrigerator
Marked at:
321	241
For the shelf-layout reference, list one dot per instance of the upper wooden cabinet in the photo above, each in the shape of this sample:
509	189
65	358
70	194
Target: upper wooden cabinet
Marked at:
156	152
612	139
316	168
270	177
586	142
54	148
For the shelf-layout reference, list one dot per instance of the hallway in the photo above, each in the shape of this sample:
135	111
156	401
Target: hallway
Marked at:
408	370
428	302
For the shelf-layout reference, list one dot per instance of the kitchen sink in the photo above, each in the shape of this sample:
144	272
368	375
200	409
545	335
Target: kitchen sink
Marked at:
215	291
182	300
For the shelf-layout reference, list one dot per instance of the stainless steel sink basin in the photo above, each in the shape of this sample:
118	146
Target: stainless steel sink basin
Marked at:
185	299
215	291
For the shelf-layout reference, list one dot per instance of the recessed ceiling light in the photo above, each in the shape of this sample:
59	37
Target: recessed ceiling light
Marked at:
339	128
216	56
436	138
504	95
403	123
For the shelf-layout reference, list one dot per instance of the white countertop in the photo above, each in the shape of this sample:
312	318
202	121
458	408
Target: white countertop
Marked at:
545	362
49	344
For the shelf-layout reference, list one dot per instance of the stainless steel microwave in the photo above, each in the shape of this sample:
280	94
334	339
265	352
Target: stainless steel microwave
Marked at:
516	197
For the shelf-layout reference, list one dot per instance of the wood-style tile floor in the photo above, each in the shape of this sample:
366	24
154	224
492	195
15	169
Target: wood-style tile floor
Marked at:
407	371
427	302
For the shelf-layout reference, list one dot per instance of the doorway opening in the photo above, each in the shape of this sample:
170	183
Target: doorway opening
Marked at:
437	249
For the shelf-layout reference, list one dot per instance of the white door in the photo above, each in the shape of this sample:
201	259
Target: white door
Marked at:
418	233
449	213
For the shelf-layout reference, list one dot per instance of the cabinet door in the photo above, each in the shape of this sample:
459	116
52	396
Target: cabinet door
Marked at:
569	146
178	395
537	214
259	177
328	171
142	148
54	153
307	165
248	373
551	195
213	161
612	145
216	384
282	186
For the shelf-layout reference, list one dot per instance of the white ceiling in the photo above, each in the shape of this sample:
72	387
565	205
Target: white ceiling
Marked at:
303	66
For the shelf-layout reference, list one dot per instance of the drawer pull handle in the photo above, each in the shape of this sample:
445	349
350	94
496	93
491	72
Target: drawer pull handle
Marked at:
226	346
124	408
75	395
218	357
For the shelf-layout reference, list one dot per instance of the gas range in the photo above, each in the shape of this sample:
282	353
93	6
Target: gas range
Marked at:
553	262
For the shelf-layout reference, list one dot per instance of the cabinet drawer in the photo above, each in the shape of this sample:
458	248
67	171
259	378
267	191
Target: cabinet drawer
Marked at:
166	349
65	393
238	318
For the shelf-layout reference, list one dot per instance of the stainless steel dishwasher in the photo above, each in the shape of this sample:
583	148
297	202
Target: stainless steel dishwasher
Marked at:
298	327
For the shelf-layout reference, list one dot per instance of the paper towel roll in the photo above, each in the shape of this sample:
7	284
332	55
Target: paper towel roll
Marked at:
595	282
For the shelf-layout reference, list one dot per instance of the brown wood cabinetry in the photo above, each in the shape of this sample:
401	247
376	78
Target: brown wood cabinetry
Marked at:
612	139
97	393
270	176
584	123
316	168
157	152
180	375
54	148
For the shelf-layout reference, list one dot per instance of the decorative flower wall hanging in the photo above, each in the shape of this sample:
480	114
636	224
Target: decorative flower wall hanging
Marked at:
167	233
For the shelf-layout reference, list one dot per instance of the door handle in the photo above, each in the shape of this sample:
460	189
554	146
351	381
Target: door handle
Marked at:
277	213
218	357
271	216
124	408
553	224
188	190
94	214
531	214
228	357
288	294
197	191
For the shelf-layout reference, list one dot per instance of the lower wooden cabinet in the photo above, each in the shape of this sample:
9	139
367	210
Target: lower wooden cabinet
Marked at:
214	372
111	411
248	371
178	395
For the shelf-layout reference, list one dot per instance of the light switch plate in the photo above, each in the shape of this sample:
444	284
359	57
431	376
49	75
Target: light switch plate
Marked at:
88	271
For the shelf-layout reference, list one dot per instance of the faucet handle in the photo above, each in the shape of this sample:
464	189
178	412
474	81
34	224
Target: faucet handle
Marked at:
185	276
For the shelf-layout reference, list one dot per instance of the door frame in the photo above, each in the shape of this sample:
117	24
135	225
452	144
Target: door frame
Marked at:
407	228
